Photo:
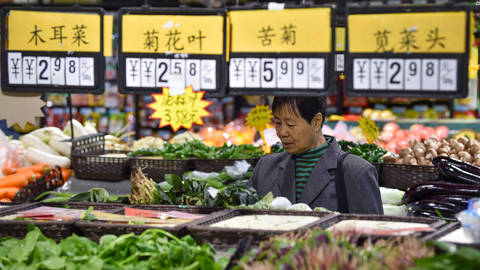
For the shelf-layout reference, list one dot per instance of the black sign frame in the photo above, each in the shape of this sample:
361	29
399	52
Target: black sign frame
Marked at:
98	57
221	59
329	61
463	59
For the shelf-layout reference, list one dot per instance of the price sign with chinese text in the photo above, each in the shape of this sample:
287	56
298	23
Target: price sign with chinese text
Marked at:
179	111
369	129
419	53
281	52
259	117
172	48
53	50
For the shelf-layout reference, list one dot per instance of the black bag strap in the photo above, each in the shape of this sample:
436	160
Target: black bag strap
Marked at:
340	186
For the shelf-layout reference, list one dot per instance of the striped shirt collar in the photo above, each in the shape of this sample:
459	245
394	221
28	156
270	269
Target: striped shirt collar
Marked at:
316	150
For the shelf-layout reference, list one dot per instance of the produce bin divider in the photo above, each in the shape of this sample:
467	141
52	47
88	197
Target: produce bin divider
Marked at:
229	237
96	229
433	223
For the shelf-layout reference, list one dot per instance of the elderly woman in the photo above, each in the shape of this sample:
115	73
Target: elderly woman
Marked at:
313	169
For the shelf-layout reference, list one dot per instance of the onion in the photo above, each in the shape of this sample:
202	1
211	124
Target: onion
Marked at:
465	156
404	152
419	152
431	154
463	140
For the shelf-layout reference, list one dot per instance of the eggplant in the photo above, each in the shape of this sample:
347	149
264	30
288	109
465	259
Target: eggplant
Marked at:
443	207
430	214
457	170
427	189
459	200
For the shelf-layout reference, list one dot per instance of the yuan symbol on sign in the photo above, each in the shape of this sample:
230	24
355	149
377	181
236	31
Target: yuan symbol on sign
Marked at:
173	39
266	35
382	40
434	39
36	36
79	34
193	38
408	39
151	40
289	35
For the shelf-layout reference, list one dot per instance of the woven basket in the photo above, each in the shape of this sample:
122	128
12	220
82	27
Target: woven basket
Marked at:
402	176
434	223
49	181
88	163
157	168
217	165
229	237
96	229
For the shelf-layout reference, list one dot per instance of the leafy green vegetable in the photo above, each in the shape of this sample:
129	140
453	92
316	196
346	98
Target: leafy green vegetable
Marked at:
370	152
153	249
197	149
217	191
464	258
92	195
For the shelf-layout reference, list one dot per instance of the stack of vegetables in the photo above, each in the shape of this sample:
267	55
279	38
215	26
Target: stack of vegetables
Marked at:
197	149
215	190
153	249
370	152
422	153
458	182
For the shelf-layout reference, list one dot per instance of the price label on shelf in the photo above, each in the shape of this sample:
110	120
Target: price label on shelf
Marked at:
369	129
161	49
259	117
415	53
53	50
179	111
281	52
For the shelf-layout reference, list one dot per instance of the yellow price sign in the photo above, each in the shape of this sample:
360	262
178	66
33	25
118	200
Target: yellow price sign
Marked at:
289	30
53	31
259	117
369	129
172	33
179	110
425	32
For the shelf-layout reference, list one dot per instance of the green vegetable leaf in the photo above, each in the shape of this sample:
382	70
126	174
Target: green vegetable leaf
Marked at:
54	263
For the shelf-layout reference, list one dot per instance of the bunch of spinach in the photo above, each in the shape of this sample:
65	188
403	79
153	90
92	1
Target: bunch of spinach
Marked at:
218	191
92	195
153	249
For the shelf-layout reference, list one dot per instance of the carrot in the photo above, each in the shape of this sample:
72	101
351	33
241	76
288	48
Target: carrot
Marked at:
66	173
14	180
5	200
8	192
10	167
41	168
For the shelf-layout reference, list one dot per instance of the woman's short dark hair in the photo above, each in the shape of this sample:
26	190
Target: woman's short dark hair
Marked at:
306	107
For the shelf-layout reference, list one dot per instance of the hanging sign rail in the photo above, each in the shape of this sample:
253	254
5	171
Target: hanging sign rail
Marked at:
415	52
52	50
281	52
172	48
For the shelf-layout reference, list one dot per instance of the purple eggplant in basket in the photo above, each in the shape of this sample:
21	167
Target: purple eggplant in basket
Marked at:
443	207
457	171
427	189
430	214
460	200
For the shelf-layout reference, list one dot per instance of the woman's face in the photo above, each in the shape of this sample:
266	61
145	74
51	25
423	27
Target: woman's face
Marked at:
296	134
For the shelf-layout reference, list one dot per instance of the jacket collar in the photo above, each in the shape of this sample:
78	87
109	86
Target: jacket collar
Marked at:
318	180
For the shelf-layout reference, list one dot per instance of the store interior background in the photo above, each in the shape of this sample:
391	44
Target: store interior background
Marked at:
112	111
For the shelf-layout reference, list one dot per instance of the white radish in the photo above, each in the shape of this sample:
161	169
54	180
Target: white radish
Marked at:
61	147
46	133
32	141
78	129
35	155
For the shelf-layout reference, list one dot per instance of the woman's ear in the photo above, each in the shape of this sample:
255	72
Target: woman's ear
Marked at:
317	121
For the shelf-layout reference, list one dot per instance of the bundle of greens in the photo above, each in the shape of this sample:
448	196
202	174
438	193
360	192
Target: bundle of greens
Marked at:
153	249
318	249
370	152
197	149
